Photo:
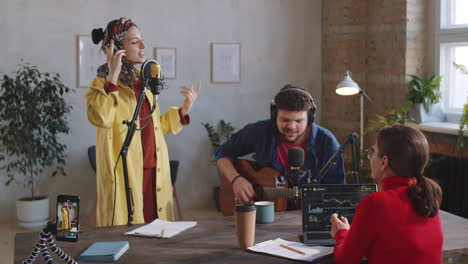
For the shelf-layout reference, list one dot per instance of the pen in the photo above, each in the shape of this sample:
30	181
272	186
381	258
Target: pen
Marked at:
293	249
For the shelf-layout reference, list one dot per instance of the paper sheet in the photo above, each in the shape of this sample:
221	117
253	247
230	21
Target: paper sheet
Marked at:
162	229
272	247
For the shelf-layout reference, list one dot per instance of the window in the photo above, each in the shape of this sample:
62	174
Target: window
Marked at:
452	47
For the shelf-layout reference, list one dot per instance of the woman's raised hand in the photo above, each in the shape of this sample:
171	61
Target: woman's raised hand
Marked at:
190	95
114	62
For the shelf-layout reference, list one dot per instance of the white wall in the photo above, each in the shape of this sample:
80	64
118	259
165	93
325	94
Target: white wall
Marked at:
280	43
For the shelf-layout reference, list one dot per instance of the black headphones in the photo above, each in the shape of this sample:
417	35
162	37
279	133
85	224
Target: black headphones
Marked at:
310	112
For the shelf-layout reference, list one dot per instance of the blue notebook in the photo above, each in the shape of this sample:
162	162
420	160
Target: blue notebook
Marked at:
105	251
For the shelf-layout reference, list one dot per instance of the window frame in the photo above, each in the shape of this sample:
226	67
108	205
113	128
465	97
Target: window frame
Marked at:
447	33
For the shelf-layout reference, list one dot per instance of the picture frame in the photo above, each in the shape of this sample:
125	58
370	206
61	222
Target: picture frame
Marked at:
89	58
166	57
225	62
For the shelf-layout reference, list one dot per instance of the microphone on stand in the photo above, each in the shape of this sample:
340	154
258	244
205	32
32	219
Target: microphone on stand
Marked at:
151	76
295	162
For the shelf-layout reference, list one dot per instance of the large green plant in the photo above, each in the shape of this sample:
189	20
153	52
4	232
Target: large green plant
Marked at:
220	134
424	91
32	116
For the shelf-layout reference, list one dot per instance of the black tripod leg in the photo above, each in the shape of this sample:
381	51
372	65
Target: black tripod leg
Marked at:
58	251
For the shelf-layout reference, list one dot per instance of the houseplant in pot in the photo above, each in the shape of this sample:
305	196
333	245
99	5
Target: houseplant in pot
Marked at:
217	136
425	94
33	115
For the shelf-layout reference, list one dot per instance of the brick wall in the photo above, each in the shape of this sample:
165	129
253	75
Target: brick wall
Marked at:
380	42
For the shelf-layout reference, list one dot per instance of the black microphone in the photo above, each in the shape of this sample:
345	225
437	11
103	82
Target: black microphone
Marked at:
295	158
151	76
295	162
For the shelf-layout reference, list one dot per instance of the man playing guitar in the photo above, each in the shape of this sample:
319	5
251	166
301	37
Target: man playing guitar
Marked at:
291	125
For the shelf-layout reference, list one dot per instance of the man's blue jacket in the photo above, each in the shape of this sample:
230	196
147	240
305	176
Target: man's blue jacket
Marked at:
261	138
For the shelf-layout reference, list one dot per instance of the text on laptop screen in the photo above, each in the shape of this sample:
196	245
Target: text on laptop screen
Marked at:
320	201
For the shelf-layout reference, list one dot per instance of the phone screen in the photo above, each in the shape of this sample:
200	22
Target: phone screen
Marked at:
67	217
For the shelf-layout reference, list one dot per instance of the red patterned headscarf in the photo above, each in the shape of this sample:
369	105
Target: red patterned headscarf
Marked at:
117	30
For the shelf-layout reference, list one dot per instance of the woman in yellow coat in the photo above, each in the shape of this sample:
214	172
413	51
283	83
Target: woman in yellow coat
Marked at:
65	216
112	98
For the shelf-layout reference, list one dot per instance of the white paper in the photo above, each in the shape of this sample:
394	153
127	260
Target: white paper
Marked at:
155	228
272	247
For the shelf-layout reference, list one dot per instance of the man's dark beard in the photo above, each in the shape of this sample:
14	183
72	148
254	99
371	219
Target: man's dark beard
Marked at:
284	139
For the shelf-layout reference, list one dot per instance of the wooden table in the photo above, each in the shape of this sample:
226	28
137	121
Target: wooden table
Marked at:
214	241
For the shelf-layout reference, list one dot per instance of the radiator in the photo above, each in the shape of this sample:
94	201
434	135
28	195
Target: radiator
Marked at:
452	175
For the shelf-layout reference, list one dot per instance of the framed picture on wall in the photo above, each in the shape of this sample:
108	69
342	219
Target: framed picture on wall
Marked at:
225	62
90	57
166	57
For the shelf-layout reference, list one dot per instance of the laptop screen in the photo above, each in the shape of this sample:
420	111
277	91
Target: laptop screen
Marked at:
320	201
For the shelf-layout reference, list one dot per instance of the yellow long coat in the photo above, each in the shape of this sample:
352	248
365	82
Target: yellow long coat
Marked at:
65	218
106	112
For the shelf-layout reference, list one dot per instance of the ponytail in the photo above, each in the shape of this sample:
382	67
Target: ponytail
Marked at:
425	196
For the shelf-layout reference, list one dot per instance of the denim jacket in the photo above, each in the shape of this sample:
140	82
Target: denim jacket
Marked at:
261	138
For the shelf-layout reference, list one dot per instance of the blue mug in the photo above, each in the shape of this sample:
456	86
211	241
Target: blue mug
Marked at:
265	212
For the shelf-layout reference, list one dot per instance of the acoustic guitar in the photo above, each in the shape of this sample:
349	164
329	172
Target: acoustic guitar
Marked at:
266	186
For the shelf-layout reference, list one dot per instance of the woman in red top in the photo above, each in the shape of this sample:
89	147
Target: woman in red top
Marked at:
400	224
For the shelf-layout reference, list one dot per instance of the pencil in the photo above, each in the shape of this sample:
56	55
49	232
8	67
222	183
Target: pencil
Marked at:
293	249
163	232
145	235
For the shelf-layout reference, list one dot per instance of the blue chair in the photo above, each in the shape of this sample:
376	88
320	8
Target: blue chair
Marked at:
174	166
92	156
92	161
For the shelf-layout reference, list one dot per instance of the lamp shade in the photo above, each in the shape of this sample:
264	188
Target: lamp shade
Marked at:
347	86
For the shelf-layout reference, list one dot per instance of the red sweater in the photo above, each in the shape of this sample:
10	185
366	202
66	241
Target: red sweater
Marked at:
387	229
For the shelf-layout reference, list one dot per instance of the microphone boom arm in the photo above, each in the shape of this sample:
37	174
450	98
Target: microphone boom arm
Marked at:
354	140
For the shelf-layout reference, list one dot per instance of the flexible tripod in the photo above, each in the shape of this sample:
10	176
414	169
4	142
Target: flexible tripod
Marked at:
46	241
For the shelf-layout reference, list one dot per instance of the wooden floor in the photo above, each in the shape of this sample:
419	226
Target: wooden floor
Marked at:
8	229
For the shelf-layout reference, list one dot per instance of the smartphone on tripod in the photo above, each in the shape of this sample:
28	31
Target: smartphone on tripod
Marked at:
68	218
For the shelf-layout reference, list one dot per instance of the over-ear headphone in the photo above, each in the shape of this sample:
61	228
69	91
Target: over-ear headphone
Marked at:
310	112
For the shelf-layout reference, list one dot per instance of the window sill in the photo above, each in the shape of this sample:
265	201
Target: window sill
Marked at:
440	127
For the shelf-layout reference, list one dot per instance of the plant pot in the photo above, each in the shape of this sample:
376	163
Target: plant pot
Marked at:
32	214
435	113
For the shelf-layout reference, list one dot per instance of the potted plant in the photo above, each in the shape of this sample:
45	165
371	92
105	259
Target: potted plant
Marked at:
463	127
217	136
33	115
393	116
424	94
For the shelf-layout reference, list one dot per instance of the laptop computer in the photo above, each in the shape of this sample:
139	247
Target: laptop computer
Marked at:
320	201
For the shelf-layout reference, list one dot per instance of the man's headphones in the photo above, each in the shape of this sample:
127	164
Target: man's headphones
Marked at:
310	112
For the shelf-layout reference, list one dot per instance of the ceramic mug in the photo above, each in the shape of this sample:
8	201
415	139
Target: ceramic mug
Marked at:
265	212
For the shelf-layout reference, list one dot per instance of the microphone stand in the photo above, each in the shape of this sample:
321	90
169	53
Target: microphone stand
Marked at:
124	151
354	140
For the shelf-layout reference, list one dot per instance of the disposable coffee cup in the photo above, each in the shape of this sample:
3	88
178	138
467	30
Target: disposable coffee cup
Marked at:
265	212
245	225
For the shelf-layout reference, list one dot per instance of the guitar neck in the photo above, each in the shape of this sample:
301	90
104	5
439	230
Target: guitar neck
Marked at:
281	193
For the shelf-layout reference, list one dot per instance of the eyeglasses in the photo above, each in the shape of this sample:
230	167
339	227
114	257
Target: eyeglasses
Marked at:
370	151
